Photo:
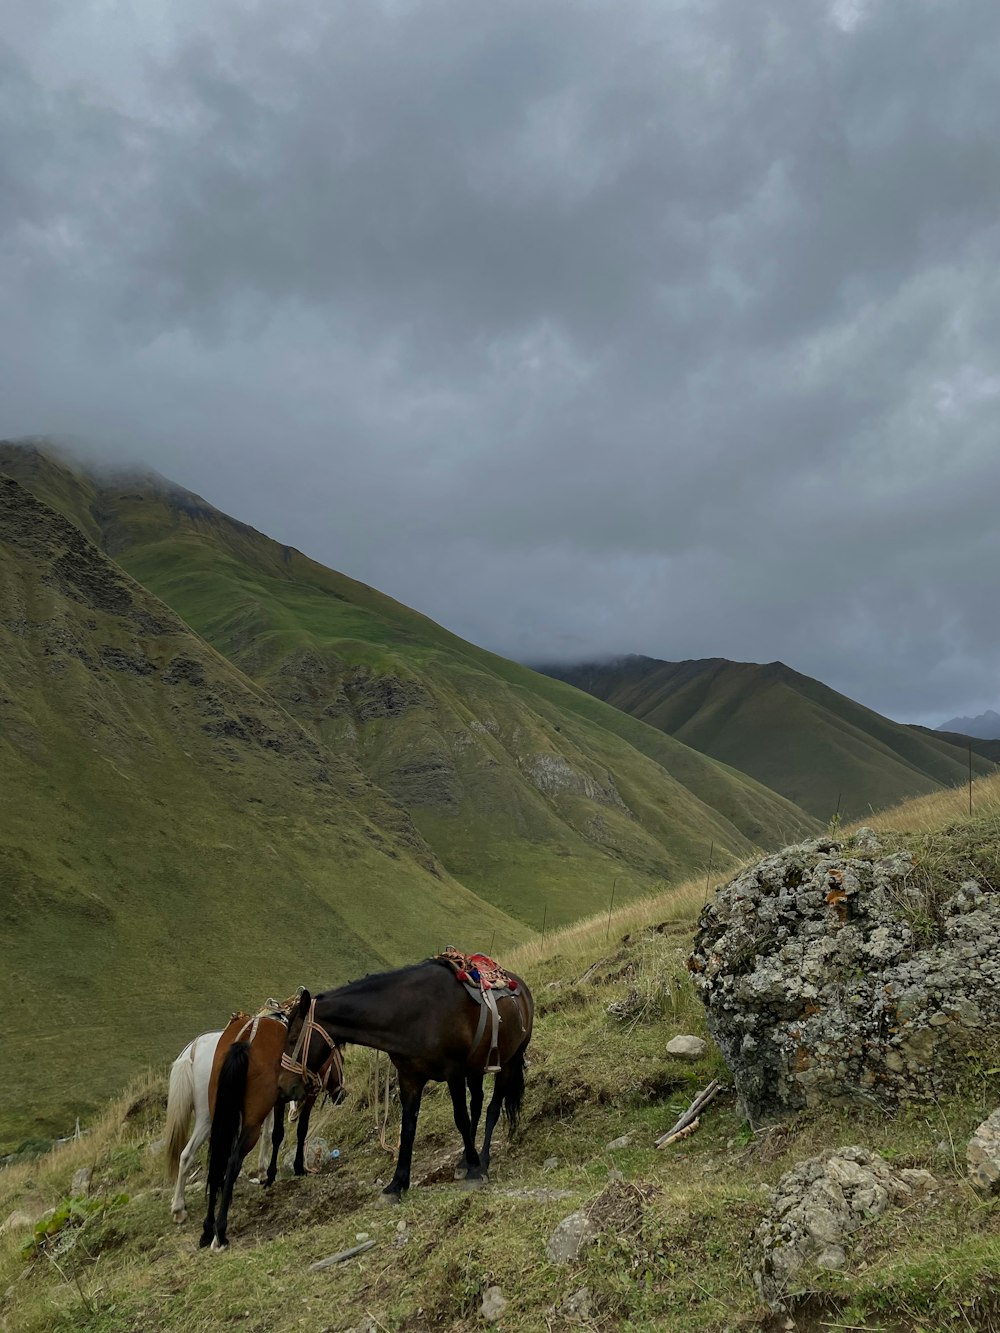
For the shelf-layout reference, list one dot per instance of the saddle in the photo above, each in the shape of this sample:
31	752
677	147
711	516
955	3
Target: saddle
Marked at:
486	982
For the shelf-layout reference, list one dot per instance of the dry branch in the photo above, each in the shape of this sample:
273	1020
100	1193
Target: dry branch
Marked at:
689	1120
341	1257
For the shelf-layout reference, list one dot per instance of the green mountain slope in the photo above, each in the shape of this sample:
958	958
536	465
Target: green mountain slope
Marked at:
532	794
792	733
172	842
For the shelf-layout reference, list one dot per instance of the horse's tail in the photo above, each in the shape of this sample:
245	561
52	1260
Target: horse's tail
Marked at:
228	1118
180	1104
513	1089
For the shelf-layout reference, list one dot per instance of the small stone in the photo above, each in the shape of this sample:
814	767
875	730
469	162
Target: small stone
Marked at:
550	1163
614	1174
831	1256
401	1227
867	842
81	1182
983	1154
917	1179
622	1142
14	1221
361	1235
577	1305
687	1048
573	1234
494	1304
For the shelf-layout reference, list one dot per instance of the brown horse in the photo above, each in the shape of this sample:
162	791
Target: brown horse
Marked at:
251	1076
430	1027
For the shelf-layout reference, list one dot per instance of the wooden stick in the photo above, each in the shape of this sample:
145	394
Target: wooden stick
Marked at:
339	1258
691	1114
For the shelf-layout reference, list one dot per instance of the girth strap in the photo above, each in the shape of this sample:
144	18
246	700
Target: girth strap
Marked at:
487	1001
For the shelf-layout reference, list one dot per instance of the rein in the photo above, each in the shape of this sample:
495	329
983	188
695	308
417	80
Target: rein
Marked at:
296	1063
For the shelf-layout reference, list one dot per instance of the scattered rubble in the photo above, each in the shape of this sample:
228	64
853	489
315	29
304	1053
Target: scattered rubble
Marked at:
817	1206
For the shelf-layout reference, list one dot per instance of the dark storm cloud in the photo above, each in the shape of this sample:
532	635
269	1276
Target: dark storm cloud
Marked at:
584	327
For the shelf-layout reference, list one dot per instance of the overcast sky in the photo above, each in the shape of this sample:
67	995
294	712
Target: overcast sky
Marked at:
583	326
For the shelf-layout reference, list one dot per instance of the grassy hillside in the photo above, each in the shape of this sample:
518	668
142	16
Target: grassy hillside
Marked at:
792	733
674	1225
172	842
533	795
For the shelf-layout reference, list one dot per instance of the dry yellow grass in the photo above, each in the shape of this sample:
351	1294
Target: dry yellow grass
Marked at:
682	902
927	813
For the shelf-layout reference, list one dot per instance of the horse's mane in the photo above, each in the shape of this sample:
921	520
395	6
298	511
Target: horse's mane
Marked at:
374	980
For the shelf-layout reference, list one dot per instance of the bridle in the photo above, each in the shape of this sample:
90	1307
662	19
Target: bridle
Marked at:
296	1063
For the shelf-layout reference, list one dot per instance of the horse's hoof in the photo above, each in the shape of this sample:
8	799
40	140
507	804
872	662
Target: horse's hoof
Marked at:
180	1215
206	1238
388	1200
474	1182
219	1248
460	1172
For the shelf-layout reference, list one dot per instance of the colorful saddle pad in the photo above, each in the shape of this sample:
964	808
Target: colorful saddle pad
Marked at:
475	969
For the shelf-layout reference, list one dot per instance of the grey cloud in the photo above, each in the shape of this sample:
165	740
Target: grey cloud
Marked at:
585	328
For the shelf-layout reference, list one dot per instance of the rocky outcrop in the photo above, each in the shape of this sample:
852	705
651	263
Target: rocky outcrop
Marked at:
835	971
817	1206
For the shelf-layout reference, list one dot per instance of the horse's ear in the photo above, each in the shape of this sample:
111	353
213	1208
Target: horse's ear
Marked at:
305	999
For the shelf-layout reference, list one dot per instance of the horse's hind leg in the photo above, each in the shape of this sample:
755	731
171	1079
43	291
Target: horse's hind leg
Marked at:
198	1136
492	1116
241	1147
475	1082
456	1086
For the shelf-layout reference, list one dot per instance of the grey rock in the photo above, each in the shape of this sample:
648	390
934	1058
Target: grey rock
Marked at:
622	1142
576	1305
81	1182
825	979
687	1048
550	1163
15	1221
315	1154
494	1304
983	1154
573	1234
816	1207
866	840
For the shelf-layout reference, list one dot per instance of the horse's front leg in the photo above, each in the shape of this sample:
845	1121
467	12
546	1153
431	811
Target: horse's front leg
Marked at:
411	1089
302	1133
277	1135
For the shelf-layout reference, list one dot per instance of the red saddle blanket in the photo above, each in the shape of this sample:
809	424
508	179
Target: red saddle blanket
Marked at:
475	969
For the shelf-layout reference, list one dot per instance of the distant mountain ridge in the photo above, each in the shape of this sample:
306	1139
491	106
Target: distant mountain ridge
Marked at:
986	726
796	735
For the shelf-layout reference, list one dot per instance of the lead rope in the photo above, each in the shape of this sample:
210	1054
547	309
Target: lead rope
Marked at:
296	1062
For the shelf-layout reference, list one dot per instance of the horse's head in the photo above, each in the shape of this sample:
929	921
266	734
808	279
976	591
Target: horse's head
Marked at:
310	1061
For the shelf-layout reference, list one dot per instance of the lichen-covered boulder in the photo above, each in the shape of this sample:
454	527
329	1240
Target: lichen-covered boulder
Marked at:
817	1206
834	971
